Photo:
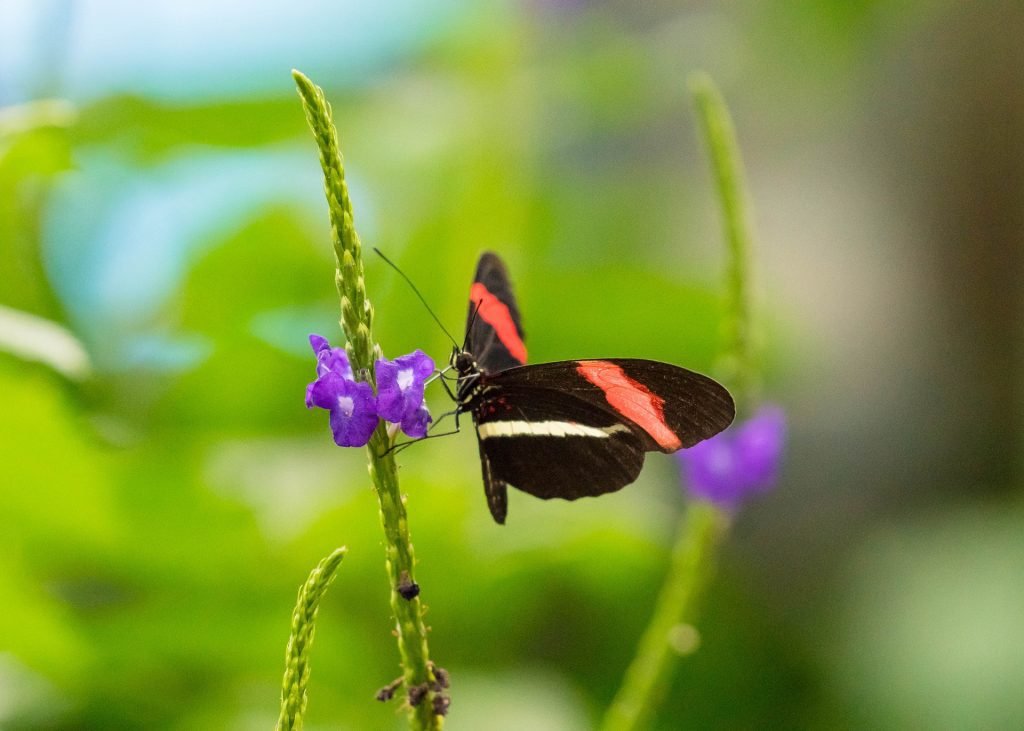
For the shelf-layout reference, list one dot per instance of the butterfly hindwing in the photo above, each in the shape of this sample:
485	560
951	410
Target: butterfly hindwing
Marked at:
552	444
495	333
495	489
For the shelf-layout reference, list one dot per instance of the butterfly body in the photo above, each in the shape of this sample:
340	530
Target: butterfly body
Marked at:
574	428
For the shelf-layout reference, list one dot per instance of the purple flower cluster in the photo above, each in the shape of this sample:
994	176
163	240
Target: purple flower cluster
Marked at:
739	462
352	404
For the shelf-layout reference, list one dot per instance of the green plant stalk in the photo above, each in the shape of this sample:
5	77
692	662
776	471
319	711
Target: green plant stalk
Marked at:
645	680
357	323
703	526
296	660
739	350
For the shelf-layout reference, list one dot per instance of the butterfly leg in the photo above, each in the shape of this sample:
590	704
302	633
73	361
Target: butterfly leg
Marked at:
396	448
448	390
439	373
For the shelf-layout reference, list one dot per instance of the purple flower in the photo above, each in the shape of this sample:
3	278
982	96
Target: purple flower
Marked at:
328	358
400	385
739	462
351	403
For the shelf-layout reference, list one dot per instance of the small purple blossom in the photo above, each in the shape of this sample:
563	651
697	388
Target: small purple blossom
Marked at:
351	403
400	384
328	358
739	462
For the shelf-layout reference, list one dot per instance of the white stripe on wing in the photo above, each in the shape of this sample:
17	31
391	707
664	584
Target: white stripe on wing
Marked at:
546	429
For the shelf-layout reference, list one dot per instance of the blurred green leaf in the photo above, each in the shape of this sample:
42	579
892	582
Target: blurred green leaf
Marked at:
29	157
263	267
148	131
36	339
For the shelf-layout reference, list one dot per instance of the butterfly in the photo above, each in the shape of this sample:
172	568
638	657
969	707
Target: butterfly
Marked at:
571	428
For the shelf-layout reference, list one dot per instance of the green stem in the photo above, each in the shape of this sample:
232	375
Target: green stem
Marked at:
703	526
720	136
670	631
296	660
357	323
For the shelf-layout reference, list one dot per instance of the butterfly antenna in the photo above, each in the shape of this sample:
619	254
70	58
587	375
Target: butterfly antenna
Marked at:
420	296
469	327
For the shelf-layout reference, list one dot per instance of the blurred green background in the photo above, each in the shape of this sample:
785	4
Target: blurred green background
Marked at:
164	253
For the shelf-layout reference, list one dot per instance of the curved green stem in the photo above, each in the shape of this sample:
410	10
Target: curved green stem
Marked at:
296	660
739	348
703	526
357	323
670	632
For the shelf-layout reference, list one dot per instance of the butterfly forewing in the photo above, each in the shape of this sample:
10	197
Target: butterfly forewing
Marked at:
671	407
495	333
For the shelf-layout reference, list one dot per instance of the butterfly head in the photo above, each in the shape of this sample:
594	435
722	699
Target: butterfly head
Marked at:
469	375
464	362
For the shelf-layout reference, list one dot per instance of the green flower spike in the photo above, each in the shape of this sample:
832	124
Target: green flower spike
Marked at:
296	660
426	704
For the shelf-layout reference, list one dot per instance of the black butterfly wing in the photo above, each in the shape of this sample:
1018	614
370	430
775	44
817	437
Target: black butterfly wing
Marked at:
572	429
495	489
668	407
494	333
552	444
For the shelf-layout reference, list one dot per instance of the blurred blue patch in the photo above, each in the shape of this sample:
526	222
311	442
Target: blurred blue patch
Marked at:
119	238
286	329
172	50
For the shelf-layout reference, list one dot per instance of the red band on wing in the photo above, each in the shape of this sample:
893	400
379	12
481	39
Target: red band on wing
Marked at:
632	399
495	313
